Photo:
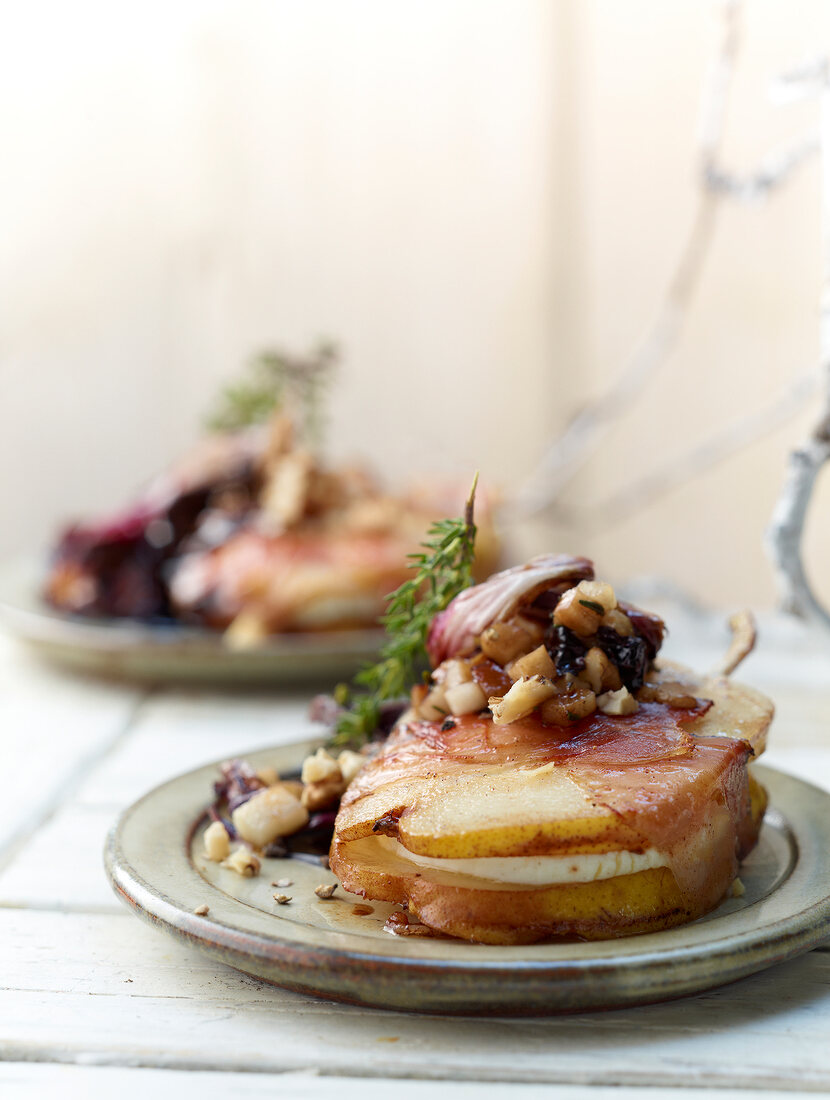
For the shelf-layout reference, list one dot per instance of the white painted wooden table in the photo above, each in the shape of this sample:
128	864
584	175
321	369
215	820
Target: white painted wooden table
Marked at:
95	1003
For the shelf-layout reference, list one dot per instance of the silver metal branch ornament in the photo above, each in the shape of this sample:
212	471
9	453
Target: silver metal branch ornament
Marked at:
786	531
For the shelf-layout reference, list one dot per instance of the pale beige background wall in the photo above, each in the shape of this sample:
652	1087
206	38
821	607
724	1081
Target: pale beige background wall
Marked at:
480	199
754	323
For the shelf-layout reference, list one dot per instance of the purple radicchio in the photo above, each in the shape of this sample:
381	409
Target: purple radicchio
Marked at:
239	782
455	629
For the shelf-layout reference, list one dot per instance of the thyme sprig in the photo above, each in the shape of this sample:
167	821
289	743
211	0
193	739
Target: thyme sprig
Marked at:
275	379
439	574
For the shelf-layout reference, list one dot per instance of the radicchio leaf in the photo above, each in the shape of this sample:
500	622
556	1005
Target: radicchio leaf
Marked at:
455	629
239	782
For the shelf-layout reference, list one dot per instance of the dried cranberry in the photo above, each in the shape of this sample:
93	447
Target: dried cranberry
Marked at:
630	655
565	650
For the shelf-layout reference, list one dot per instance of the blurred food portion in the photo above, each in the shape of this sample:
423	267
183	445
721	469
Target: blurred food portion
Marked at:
252	533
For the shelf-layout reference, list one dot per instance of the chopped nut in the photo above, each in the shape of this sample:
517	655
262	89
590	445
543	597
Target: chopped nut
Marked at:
244	862
466	698
536	663
617	702
294	786
321	765
325	892
317	796
202	911
283	882
738	889
600	672
350	764
282	899
504	641
268	814
525	695
269	776
217	842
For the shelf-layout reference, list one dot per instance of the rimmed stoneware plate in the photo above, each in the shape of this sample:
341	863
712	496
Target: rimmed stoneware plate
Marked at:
334	949
171	653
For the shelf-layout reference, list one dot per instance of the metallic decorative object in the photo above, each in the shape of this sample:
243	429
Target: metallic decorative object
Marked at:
786	531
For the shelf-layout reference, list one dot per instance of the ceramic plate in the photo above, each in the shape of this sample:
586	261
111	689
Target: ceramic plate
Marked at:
142	651
335	949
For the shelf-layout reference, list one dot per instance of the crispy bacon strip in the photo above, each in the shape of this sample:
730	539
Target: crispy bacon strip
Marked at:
655	733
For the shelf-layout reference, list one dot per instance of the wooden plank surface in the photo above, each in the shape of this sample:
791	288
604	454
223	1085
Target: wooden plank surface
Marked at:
24	1080
175	732
107	989
53	729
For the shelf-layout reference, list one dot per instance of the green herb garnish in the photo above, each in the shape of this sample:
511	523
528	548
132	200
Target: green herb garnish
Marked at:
278	380
444	570
594	606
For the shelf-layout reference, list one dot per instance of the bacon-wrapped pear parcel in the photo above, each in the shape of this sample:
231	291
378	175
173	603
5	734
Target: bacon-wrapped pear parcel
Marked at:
552	779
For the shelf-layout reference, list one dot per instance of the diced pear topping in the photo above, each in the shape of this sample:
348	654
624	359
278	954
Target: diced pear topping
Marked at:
504	641
434	706
452	673
467	698
598	592
321	765
582	608
581	616
270	813
217	842
618	621
536	663
574	700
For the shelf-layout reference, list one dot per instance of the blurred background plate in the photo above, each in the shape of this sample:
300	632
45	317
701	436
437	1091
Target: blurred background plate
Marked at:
170	652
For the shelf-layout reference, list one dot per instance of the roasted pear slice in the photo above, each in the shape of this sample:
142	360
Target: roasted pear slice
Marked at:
473	811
